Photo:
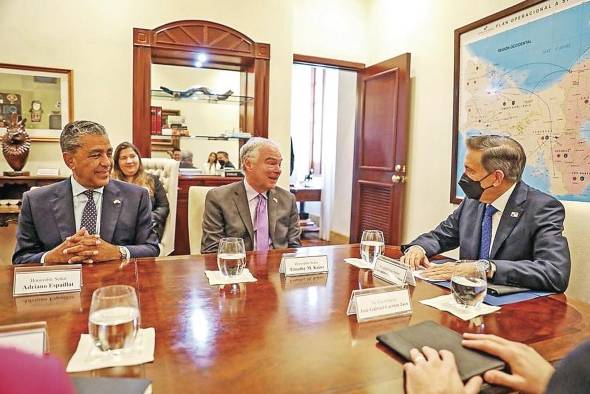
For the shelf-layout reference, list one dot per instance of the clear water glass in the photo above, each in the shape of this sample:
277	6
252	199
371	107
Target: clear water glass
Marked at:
114	317
372	244
469	283
231	256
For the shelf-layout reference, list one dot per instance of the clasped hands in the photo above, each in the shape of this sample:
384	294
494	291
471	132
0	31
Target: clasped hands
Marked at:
416	259
82	247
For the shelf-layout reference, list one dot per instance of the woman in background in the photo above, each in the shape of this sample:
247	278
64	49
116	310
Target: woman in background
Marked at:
128	168
211	166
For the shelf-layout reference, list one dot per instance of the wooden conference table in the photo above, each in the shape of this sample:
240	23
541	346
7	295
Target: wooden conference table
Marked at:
278	334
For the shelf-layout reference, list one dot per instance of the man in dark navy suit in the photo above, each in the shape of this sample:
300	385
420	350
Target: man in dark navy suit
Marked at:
516	228
87	217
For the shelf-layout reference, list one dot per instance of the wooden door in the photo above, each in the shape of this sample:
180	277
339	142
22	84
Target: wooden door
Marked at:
381	139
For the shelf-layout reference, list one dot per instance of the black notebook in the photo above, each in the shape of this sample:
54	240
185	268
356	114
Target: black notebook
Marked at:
112	385
428	333
500	290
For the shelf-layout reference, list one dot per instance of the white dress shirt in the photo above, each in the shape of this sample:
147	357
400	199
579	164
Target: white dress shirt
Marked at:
500	205
252	196
80	199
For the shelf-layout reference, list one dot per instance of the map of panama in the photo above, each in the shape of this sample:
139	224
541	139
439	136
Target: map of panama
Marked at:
532	82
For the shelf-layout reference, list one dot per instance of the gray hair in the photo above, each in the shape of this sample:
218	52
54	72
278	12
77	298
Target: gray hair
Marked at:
251	148
70	138
186	155
500	153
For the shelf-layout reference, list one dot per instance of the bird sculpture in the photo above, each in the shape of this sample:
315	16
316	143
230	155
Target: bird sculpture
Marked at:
201	89
16	145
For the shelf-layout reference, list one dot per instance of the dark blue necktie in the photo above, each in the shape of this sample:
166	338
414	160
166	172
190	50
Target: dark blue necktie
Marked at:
89	215
486	232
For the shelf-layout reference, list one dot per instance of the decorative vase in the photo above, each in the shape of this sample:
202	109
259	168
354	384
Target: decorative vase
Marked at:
16	145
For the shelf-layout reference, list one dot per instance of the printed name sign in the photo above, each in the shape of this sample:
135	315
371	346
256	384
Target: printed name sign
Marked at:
47	280
303	265
379	303
27	337
393	271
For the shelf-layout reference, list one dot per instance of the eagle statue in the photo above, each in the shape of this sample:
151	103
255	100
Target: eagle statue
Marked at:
16	144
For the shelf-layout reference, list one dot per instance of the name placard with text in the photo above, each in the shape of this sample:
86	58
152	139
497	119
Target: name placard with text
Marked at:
292	265
47	280
393	271
379	303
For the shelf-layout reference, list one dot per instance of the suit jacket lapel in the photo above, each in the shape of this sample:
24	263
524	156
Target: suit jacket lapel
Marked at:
510	217
272	206
472	249
63	209
241	201
110	211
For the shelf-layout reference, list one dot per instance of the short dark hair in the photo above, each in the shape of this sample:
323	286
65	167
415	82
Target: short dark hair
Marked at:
500	153
69	140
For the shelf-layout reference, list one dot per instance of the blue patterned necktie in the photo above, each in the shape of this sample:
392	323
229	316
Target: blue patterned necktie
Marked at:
89	214
486	232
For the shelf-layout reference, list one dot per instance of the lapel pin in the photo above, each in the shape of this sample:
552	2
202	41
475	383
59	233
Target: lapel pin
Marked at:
514	214
275	200
117	202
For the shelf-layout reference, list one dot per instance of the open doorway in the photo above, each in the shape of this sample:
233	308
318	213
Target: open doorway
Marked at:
323	107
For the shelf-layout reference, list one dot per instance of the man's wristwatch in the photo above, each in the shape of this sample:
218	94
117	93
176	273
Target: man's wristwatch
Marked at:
123	253
490	268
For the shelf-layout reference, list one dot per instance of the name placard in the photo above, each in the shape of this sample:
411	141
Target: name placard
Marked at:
47	280
299	281
393	271
27	337
303	265
379	303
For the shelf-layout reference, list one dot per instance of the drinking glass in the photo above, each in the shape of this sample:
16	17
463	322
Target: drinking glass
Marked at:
231	256
114	317
469	283
372	245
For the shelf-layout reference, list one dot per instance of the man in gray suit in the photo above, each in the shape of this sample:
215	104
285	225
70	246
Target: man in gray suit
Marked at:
518	229
257	210
88	217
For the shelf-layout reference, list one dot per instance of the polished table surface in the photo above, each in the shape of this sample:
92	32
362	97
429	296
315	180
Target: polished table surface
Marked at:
278	334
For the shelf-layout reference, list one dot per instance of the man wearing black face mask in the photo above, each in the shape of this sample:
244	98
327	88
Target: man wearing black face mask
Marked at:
516	228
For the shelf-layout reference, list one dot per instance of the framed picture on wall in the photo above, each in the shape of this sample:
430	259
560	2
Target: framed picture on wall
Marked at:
524	72
44	96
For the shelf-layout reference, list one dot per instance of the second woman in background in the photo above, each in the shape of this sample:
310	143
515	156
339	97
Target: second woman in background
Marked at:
211	167
128	168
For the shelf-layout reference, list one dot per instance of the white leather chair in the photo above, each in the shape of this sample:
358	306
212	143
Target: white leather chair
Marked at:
167	171
196	207
577	231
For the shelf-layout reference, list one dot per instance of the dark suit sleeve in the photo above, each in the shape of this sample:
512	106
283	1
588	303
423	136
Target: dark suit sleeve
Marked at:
29	248
161	208
550	268
146	239
294	231
443	238
213	224
572	374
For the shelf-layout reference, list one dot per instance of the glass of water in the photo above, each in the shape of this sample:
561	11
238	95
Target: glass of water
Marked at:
114	317
231	256
469	283
372	244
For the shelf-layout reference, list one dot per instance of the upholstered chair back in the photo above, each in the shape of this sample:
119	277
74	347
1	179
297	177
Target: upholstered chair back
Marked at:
167	171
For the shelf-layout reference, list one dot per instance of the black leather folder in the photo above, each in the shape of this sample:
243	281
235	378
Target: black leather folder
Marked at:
500	290
470	362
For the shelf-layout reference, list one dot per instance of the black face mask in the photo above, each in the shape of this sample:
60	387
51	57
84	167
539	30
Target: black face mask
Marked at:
472	188
221	162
